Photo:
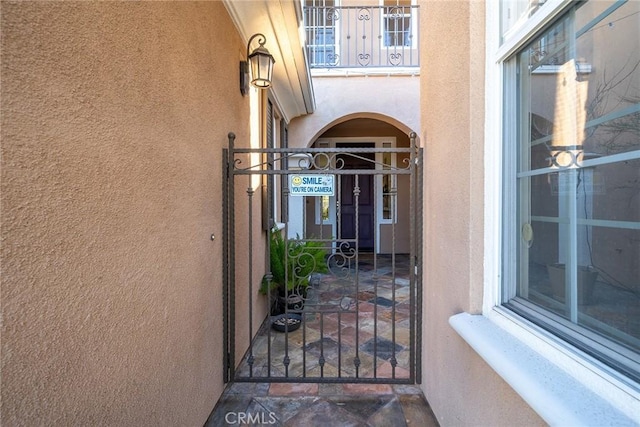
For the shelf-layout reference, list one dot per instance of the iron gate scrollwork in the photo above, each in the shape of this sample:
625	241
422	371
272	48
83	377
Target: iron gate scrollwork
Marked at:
347	314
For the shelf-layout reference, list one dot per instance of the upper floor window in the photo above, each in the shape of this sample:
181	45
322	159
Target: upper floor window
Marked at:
571	245
321	32
355	34
397	23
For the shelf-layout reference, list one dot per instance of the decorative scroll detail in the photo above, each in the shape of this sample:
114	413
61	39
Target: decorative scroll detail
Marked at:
333	59
537	56
302	263
364	59
323	161
340	261
395	59
348	36
332	14
364	14
236	163
395	12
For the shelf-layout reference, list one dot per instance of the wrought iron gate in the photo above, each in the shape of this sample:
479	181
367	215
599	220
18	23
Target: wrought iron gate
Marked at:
346	314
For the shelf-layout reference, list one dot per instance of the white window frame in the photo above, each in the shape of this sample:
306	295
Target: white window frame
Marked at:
336	37
599	393
275	179
331	220
387	143
412	26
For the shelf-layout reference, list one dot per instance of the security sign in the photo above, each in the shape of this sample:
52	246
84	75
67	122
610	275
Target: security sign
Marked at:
312	185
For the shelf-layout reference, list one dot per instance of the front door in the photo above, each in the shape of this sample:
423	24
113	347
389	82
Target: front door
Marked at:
357	201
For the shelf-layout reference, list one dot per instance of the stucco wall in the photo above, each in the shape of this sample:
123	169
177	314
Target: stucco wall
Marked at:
392	99
461	388
113	119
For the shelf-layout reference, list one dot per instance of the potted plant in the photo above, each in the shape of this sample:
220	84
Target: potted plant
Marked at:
292	262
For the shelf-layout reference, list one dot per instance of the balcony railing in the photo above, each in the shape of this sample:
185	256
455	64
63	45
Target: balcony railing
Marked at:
362	36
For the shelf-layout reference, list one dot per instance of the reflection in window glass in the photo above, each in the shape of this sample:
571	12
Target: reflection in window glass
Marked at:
514	13
388	181
578	176
325	208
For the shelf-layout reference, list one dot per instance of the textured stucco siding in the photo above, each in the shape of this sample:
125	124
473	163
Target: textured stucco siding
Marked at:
461	388
113	120
391	99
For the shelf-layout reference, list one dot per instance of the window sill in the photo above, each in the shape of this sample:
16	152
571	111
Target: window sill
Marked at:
564	389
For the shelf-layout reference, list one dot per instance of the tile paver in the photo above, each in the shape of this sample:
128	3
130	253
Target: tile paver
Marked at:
322	405
327	345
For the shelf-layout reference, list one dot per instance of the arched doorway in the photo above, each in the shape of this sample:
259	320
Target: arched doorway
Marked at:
382	227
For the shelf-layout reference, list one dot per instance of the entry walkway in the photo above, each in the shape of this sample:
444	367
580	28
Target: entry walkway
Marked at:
347	331
380	339
322	405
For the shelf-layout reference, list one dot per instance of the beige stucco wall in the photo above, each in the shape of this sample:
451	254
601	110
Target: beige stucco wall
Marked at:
113	119
392	99
461	388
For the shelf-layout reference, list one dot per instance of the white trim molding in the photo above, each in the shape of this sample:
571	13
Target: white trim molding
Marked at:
563	387
280	21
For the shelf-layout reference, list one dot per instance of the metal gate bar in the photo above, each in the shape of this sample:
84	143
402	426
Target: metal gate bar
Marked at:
345	268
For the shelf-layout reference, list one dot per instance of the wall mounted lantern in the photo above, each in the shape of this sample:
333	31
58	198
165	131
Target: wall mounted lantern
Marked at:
258	67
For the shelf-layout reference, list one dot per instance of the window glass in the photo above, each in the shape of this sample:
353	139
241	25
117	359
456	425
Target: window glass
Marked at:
388	184
325	200
577	178
397	23
320	20
514	13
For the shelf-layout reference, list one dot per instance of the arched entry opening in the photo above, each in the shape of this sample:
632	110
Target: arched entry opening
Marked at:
383	212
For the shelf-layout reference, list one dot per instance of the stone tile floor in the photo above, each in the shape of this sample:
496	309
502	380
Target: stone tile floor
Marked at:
356	323
322	405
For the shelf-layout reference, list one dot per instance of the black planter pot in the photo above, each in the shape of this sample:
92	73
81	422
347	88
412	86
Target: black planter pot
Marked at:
288	322
292	302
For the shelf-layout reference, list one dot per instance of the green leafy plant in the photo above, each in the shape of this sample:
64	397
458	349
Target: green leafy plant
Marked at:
302	258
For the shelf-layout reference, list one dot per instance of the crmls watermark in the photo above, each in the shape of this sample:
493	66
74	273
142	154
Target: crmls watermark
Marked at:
249	418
